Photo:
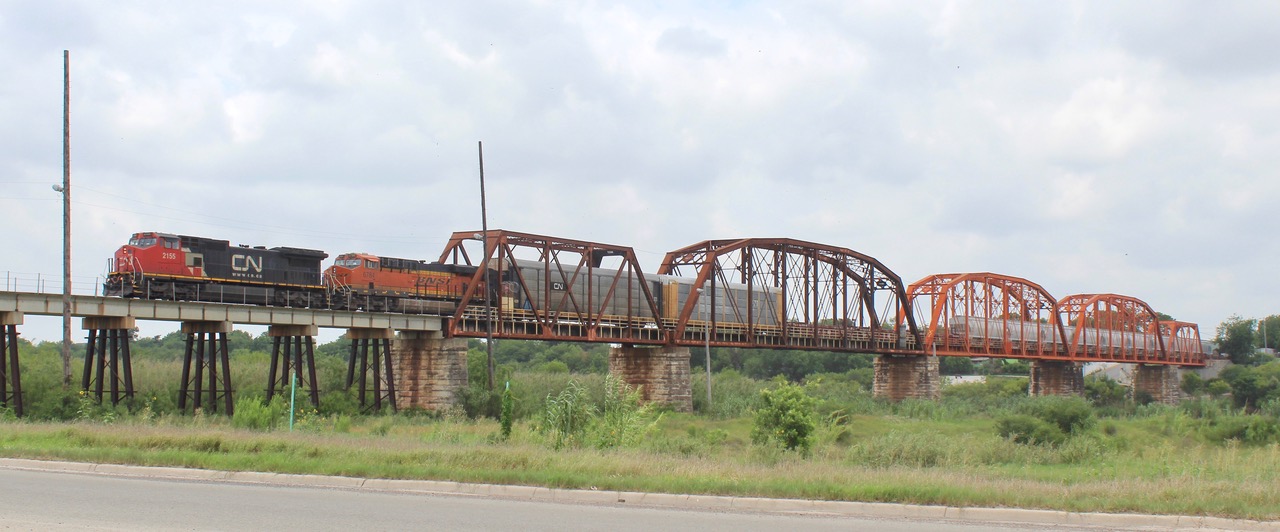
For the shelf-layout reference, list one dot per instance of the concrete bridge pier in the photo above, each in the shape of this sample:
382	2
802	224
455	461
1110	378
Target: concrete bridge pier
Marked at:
1056	377
661	373
899	377
206	348
107	357
1162	382
10	375
430	371
293	350
379	369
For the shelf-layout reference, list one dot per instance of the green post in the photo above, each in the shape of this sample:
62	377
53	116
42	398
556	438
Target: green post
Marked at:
293	389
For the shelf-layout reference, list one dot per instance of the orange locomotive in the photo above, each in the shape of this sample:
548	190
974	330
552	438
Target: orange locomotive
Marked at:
360	281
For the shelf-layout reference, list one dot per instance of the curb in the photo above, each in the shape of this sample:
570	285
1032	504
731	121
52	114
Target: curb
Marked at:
661	500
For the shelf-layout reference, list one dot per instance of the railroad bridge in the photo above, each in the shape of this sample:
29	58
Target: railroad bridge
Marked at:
773	293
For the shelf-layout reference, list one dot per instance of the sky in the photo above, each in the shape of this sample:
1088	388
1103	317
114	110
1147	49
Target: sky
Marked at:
1090	147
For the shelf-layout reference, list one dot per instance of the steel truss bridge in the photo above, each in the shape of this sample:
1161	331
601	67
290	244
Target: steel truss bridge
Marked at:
779	293
757	293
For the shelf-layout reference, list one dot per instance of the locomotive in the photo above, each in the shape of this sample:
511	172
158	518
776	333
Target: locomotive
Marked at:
360	281
179	267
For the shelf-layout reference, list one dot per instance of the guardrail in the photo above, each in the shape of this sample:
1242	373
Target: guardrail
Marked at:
44	283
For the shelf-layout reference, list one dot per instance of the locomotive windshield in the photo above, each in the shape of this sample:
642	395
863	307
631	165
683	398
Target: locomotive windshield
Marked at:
142	242
347	263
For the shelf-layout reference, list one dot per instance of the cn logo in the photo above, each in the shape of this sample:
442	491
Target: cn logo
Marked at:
244	263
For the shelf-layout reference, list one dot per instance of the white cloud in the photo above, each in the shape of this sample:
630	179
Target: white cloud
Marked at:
1086	147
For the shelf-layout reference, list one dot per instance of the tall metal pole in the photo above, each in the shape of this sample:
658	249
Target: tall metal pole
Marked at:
66	218
707	334
484	239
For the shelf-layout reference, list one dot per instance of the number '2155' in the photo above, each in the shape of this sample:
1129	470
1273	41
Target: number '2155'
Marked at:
168	255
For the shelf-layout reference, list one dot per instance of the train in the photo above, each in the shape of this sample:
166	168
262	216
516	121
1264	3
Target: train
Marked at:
154	265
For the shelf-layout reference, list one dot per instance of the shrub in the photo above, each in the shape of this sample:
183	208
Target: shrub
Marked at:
1022	428
785	417
622	420
1070	414
251	413
566	416
508	411
1246	429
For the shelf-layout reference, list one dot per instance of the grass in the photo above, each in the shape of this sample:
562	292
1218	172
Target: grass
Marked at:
868	458
1146	459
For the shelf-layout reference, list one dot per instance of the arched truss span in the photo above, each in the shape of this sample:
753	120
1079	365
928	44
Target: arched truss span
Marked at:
1182	342
987	314
551	288
778	292
1111	328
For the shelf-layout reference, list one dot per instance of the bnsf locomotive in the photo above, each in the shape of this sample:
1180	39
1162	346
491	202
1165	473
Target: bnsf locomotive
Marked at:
188	268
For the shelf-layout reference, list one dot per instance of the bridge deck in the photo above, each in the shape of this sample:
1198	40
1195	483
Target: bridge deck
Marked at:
146	309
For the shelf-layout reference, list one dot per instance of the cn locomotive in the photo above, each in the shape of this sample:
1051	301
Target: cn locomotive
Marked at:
178	267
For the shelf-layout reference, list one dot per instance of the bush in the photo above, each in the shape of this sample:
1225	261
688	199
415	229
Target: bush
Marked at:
1070	414
1022	428
566	416
1246	429
622	420
252	414
785	418
508	411
732	394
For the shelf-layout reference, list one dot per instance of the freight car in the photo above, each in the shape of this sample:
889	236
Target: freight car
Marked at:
555	289
179	267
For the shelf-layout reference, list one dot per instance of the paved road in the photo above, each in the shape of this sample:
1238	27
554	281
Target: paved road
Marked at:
44	500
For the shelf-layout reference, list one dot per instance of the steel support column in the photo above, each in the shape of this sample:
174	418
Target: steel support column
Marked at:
383	376
293	351
10	374
206	347
107	358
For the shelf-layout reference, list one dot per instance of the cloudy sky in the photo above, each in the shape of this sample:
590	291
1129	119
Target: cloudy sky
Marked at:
1124	147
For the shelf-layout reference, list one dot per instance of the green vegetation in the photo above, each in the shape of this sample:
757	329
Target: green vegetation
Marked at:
822	436
785	418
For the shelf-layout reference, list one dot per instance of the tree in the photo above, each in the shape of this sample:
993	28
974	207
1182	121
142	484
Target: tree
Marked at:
956	366
1251	386
1237	339
785	417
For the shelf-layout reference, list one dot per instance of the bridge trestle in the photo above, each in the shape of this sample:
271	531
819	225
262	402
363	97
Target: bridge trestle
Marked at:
293	350
10	373
206	347
107	357
377	370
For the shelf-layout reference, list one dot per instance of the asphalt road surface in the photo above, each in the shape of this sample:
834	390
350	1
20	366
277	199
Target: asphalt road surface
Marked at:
43	500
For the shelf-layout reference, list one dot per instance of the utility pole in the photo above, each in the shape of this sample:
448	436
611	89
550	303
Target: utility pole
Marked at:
488	305
66	219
